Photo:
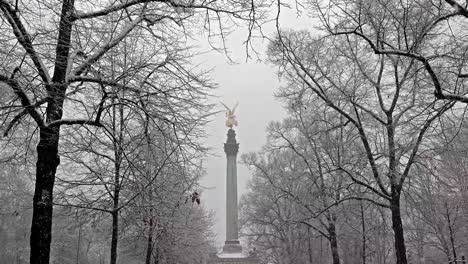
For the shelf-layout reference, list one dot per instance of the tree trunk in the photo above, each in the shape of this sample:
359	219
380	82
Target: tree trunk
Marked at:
333	240
115	216
149	248
79	243
118	154
397	225
309	246
363	225
156	257
115	236
452	239
46	166
115	213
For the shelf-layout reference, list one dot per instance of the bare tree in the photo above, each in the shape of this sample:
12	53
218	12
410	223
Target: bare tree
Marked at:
379	96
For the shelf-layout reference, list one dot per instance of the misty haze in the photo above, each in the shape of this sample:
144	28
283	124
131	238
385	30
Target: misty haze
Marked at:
233	131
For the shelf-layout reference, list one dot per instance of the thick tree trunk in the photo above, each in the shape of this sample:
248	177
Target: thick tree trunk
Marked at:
397	225
46	166
333	240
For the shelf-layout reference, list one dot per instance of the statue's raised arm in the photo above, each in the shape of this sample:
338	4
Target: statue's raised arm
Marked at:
231	117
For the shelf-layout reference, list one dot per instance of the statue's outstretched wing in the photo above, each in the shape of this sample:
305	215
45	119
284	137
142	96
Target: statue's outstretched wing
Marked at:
234	108
225	106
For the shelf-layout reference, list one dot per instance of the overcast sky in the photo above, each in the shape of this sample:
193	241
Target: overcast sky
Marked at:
252	84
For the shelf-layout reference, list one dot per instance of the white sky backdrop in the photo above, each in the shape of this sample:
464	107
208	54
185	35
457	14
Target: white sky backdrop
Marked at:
253	84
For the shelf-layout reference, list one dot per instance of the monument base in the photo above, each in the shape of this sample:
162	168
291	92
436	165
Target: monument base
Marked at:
232	259
232	254
232	246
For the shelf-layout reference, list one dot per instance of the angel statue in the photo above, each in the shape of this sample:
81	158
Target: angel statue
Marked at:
231	118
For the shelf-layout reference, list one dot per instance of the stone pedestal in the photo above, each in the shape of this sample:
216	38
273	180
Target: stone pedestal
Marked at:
232	246
232	260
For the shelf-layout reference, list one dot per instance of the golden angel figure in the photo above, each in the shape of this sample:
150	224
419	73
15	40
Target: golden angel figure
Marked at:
231	118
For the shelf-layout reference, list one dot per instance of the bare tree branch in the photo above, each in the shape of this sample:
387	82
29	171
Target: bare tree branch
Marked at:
24	101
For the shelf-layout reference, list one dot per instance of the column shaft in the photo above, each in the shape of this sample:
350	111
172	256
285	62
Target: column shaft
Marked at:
231	199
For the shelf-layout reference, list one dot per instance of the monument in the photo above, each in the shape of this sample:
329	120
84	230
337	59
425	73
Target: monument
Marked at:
232	250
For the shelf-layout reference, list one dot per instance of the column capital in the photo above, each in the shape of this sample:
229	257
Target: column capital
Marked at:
231	147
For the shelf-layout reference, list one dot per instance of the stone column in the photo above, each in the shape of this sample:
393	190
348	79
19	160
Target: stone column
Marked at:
231	148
